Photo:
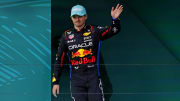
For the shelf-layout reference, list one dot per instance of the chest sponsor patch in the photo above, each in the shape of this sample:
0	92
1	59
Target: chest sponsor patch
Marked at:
87	38
81	53
86	33
70	41
84	60
71	36
82	45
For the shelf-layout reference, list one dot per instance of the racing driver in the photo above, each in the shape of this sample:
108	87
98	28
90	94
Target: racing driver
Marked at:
82	46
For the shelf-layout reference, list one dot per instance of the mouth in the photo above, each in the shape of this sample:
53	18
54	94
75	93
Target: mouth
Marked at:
77	22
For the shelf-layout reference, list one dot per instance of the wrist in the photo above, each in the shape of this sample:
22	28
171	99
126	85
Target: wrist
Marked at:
115	18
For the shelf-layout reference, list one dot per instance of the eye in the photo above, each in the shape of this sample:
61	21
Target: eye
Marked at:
74	16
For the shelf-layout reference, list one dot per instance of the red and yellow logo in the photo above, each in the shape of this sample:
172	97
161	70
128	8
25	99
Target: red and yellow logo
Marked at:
81	53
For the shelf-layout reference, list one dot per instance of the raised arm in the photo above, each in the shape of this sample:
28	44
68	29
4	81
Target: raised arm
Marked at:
107	32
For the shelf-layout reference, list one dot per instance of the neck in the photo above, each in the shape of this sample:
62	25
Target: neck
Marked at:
78	28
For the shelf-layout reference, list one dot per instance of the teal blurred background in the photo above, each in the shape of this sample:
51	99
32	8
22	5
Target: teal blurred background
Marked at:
143	61
25	50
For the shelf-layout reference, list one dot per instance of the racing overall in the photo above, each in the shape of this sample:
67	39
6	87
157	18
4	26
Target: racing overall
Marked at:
83	49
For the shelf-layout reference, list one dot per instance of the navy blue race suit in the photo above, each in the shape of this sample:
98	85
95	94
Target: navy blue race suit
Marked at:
83	49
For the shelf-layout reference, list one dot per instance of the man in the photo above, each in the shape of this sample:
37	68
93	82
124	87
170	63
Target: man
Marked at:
82	46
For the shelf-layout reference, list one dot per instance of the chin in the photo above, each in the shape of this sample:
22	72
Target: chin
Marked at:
79	25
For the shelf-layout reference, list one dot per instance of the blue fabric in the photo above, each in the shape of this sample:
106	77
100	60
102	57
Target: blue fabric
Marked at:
98	55
114	18
69	65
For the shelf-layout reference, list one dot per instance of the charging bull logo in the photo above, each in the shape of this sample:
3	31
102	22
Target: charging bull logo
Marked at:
81	53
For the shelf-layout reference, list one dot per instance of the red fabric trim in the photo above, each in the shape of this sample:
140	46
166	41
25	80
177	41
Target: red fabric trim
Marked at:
91	28
62	57
65	34
104	33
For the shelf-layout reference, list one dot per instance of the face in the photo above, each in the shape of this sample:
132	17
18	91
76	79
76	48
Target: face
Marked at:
79	21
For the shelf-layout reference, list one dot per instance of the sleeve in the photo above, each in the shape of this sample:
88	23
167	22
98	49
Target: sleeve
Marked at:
59	60
107	32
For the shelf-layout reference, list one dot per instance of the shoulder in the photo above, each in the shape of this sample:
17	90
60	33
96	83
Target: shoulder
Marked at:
91	27
67	32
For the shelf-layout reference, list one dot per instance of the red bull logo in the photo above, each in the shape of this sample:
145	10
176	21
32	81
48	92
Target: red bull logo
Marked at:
81	53
83	61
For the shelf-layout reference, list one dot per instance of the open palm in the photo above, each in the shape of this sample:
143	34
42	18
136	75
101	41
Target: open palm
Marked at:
115	12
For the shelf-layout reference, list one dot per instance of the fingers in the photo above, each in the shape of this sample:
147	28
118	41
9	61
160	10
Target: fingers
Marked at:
57	91
120	7
117	6
54	93
112	9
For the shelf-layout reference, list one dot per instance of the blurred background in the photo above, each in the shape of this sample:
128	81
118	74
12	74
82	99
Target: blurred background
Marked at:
141	63
25	50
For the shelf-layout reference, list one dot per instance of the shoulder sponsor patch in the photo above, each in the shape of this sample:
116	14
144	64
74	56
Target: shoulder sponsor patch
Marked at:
114	29
99	27
71	36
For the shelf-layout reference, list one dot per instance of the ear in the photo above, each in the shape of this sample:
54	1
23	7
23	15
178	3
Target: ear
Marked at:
71	17
86	16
